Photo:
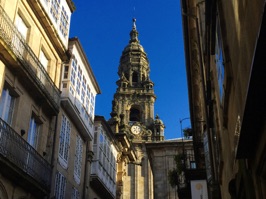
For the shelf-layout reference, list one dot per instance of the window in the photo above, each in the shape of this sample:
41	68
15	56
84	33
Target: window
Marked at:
6	106
22	27
73	76
78	87
18	41
60	186
46	1
95	138
92	106
92	100
33	132
192	164
66	68
101	144
54	10
106	157
44	60
79	79
219	59
88	92
73	71
134	114
83	96
88	95
101	139
75	193
83	92
84	82
135	77
64	142
87	104
63	27
78	159
74	63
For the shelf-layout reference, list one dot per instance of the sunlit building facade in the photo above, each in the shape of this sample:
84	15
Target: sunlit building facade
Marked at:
73	149
32	52
104	163
162	155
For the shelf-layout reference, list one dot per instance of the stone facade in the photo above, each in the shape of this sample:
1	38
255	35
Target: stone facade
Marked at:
133	115
229	39
161	155
103	177
32	53
75	126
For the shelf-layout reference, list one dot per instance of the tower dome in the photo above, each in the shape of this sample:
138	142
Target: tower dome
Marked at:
134	64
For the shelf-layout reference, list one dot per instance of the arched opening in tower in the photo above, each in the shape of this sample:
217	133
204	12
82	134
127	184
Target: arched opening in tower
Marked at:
135	77
134	115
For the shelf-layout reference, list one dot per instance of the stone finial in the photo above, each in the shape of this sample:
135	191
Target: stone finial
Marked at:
134	33
134	24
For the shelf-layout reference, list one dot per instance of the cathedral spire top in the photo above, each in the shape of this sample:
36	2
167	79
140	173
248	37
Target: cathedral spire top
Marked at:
134	33
134	23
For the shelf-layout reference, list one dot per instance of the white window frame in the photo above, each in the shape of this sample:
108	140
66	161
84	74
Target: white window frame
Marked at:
75	193
21	26
64	22
78	159
54	9
7	103
60	186
33	132
64	142
44	60
66	72
23	29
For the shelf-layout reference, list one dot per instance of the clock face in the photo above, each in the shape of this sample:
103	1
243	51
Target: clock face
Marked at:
135	129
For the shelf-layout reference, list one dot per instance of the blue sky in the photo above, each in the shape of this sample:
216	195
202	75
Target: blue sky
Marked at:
103	27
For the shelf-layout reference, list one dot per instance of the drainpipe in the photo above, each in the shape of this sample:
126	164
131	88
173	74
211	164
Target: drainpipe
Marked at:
53	151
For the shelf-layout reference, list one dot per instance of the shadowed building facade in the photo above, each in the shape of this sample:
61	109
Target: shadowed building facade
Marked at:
225	61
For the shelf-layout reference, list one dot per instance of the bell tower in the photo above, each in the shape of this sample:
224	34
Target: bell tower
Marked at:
134	98
133	115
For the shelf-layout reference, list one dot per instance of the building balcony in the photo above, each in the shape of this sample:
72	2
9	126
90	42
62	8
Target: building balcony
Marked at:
76	111
22	61
101	181
21	163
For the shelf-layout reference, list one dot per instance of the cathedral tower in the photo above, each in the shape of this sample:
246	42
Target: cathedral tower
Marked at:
133	115
133	104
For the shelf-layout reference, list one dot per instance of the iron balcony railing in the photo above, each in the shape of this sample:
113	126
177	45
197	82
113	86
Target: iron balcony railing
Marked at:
15	149
30	63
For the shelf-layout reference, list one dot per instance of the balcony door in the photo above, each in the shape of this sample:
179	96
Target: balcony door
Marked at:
19	43
44	61
33	133
6	106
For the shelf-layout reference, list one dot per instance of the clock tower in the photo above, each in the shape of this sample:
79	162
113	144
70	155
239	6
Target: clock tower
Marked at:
133	114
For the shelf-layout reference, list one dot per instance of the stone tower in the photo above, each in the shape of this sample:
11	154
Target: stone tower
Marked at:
133	114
